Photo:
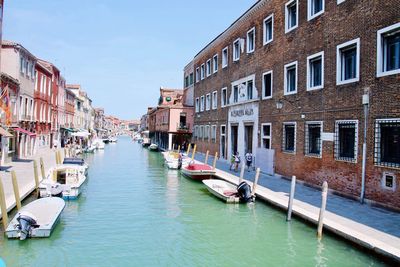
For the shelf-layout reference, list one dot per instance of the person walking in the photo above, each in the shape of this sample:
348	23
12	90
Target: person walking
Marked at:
237	161
249	160
232	166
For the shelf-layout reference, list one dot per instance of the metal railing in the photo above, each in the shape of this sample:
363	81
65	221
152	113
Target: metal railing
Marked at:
183	126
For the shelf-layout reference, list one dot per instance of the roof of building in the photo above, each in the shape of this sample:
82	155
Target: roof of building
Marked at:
17	45
5	76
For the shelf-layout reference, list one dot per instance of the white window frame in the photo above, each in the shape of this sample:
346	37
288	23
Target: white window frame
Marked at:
202	103
336	141
306	135
208	68
294	63
263	84
340	1
311	16
222	97
252	30
339	81
263	136
225	59
201	132
309	59
287	29
214	100
202	71
270	17
208	102
197	104
197	74
213	133
215	63
234	49
380	72
284	137
206	133
377	144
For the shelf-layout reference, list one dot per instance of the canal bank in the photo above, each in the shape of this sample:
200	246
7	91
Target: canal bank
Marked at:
135	212
369	227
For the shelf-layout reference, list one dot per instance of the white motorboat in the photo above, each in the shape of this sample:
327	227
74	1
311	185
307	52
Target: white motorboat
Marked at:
64	180
153	147
36	219
173	162
98	143
228	192
113	139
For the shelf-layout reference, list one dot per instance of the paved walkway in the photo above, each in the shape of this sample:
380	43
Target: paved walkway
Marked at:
25	176
377	218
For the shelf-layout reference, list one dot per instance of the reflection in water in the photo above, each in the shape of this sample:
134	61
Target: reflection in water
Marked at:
320	260
173	209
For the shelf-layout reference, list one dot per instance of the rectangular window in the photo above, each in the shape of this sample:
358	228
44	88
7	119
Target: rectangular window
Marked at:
191	78
224	97
214	133
202	72
235	94
214	100
315	8
266	135
201	133
195	132
250	90
267	85
236	50
197	106
313	142
268	29
206	132
290	81
208	67
208	102
197	75
215	63
388	50
251	39
348	62
346	140
21	64
289	137
291	15
387	143
315	71
186	81
202	103
225	57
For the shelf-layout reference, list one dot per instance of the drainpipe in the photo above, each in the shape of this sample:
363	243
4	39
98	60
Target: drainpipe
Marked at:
365	102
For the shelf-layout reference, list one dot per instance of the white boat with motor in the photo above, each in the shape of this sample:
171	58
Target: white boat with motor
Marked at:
228	192
98	143
64	181
153	147
36	219
175	161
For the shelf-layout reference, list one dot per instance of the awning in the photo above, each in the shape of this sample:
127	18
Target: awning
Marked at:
67	129
81	134
4	132
17	129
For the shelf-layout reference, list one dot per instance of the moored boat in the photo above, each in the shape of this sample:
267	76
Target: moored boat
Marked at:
64	180
36	219
198	171
228	192
153	147
175	160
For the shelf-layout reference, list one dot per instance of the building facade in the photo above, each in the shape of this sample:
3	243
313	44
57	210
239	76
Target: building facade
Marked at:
292	83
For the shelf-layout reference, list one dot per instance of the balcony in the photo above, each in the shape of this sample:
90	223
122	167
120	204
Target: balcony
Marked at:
183	127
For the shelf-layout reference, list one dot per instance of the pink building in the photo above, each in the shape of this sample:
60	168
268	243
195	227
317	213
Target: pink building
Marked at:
171	121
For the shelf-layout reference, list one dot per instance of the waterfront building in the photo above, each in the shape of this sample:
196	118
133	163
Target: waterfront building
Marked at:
291	82
171	121
79	115
144	125
99	122
19	63
42	103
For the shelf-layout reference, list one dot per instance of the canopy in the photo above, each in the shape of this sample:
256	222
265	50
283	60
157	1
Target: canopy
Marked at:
81	134
17	129
4	132
67	129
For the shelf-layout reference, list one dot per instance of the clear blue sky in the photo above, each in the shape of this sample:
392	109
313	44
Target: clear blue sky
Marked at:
120	51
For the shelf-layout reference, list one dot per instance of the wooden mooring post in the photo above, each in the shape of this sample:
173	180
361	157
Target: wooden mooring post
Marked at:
206	159
3	206
215	160
179	148
36	175
322	210
256	181
188	150
242	172
16	190
194	151
291	198
42	168
56	154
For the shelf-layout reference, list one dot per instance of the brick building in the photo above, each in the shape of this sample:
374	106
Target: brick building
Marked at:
294	84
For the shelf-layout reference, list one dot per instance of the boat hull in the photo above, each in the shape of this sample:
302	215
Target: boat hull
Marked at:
198	174
222	190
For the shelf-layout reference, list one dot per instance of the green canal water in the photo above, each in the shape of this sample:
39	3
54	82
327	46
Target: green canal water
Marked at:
135	212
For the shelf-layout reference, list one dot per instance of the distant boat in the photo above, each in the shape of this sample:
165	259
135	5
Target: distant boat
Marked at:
64	181
198	171
89	149
228	192
153	147
36	219
113	139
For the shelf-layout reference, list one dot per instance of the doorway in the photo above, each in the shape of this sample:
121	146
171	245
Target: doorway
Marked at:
248	138
234	139
223	141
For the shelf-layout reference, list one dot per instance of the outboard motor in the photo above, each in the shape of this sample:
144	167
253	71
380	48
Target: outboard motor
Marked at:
244	192
26	222
55	190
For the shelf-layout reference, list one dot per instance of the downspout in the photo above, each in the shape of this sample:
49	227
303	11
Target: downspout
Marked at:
365	102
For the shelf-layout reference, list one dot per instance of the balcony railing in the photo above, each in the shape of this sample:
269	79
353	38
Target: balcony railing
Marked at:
183	126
